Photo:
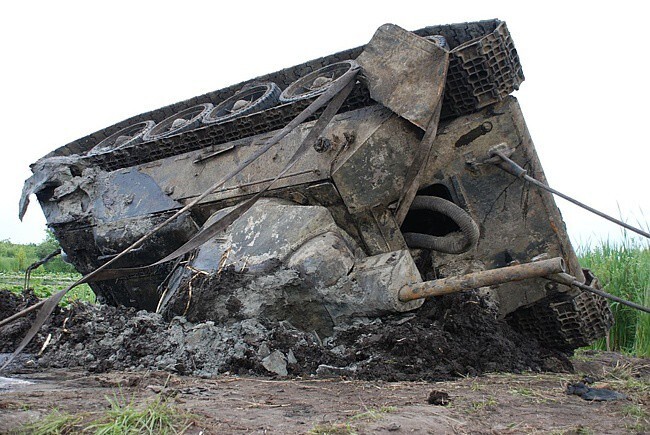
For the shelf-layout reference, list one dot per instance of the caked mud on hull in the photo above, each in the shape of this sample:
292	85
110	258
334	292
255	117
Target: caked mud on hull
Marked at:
398	191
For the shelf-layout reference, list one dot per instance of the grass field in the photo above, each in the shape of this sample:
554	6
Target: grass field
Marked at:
624	270
48	283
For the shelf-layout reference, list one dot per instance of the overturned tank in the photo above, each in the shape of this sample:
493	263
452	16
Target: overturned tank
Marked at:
391	194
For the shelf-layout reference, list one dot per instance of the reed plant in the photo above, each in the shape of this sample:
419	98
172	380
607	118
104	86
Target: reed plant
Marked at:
623	268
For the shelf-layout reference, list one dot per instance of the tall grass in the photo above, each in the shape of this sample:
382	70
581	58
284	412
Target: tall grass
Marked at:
157	416
623	268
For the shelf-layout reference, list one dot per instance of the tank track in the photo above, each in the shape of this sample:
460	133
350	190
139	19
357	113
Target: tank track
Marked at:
484	68
481	72
564	322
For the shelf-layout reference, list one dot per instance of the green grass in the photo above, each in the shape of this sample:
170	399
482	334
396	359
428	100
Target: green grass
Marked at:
332	429
623	269
157	417
488	402
373	413
46	284
347	427
54	423
638	418
125	417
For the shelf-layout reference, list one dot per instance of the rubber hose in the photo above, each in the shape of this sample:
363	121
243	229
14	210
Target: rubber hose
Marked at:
447	244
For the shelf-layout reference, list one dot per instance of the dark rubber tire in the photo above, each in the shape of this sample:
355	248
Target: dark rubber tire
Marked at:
134	133
303	88
260	97
169	126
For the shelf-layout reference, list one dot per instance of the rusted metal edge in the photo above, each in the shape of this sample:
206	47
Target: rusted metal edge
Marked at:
484	278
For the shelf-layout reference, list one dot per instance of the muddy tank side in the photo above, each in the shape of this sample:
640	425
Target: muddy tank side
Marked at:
100	202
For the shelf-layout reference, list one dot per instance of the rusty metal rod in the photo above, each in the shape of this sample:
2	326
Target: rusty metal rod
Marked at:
439	287
28	271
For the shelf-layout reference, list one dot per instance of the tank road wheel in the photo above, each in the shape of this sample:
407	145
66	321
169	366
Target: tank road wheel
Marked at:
185	120
249	100
317	82
130	135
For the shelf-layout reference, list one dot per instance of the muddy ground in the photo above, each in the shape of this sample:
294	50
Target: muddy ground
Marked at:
494	403
458	335
371	376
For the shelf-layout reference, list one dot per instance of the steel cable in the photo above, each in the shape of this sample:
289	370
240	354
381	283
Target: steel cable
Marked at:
514	169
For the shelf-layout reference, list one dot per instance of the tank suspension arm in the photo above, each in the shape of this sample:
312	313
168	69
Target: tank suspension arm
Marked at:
513	168
453	284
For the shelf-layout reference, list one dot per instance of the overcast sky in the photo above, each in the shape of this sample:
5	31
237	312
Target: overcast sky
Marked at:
72	68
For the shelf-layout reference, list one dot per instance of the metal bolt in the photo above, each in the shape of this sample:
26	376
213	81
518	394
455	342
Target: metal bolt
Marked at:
550	286
322	144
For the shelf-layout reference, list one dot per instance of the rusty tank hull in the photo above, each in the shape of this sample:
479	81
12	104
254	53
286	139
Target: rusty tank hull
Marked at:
398	189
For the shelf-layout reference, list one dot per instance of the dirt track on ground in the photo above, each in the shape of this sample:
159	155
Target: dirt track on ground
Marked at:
495	403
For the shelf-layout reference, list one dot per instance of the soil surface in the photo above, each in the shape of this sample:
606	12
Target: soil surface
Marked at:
458	335
494	403
430	371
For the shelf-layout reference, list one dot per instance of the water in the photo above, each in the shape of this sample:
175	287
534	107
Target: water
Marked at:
10	384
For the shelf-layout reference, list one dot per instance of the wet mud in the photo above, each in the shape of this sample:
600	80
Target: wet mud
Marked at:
452	336
13	333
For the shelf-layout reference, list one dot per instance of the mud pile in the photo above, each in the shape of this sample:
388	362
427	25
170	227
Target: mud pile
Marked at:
454	335
12	334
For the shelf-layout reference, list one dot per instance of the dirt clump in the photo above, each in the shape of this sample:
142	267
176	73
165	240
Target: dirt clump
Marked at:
448	337
12	334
